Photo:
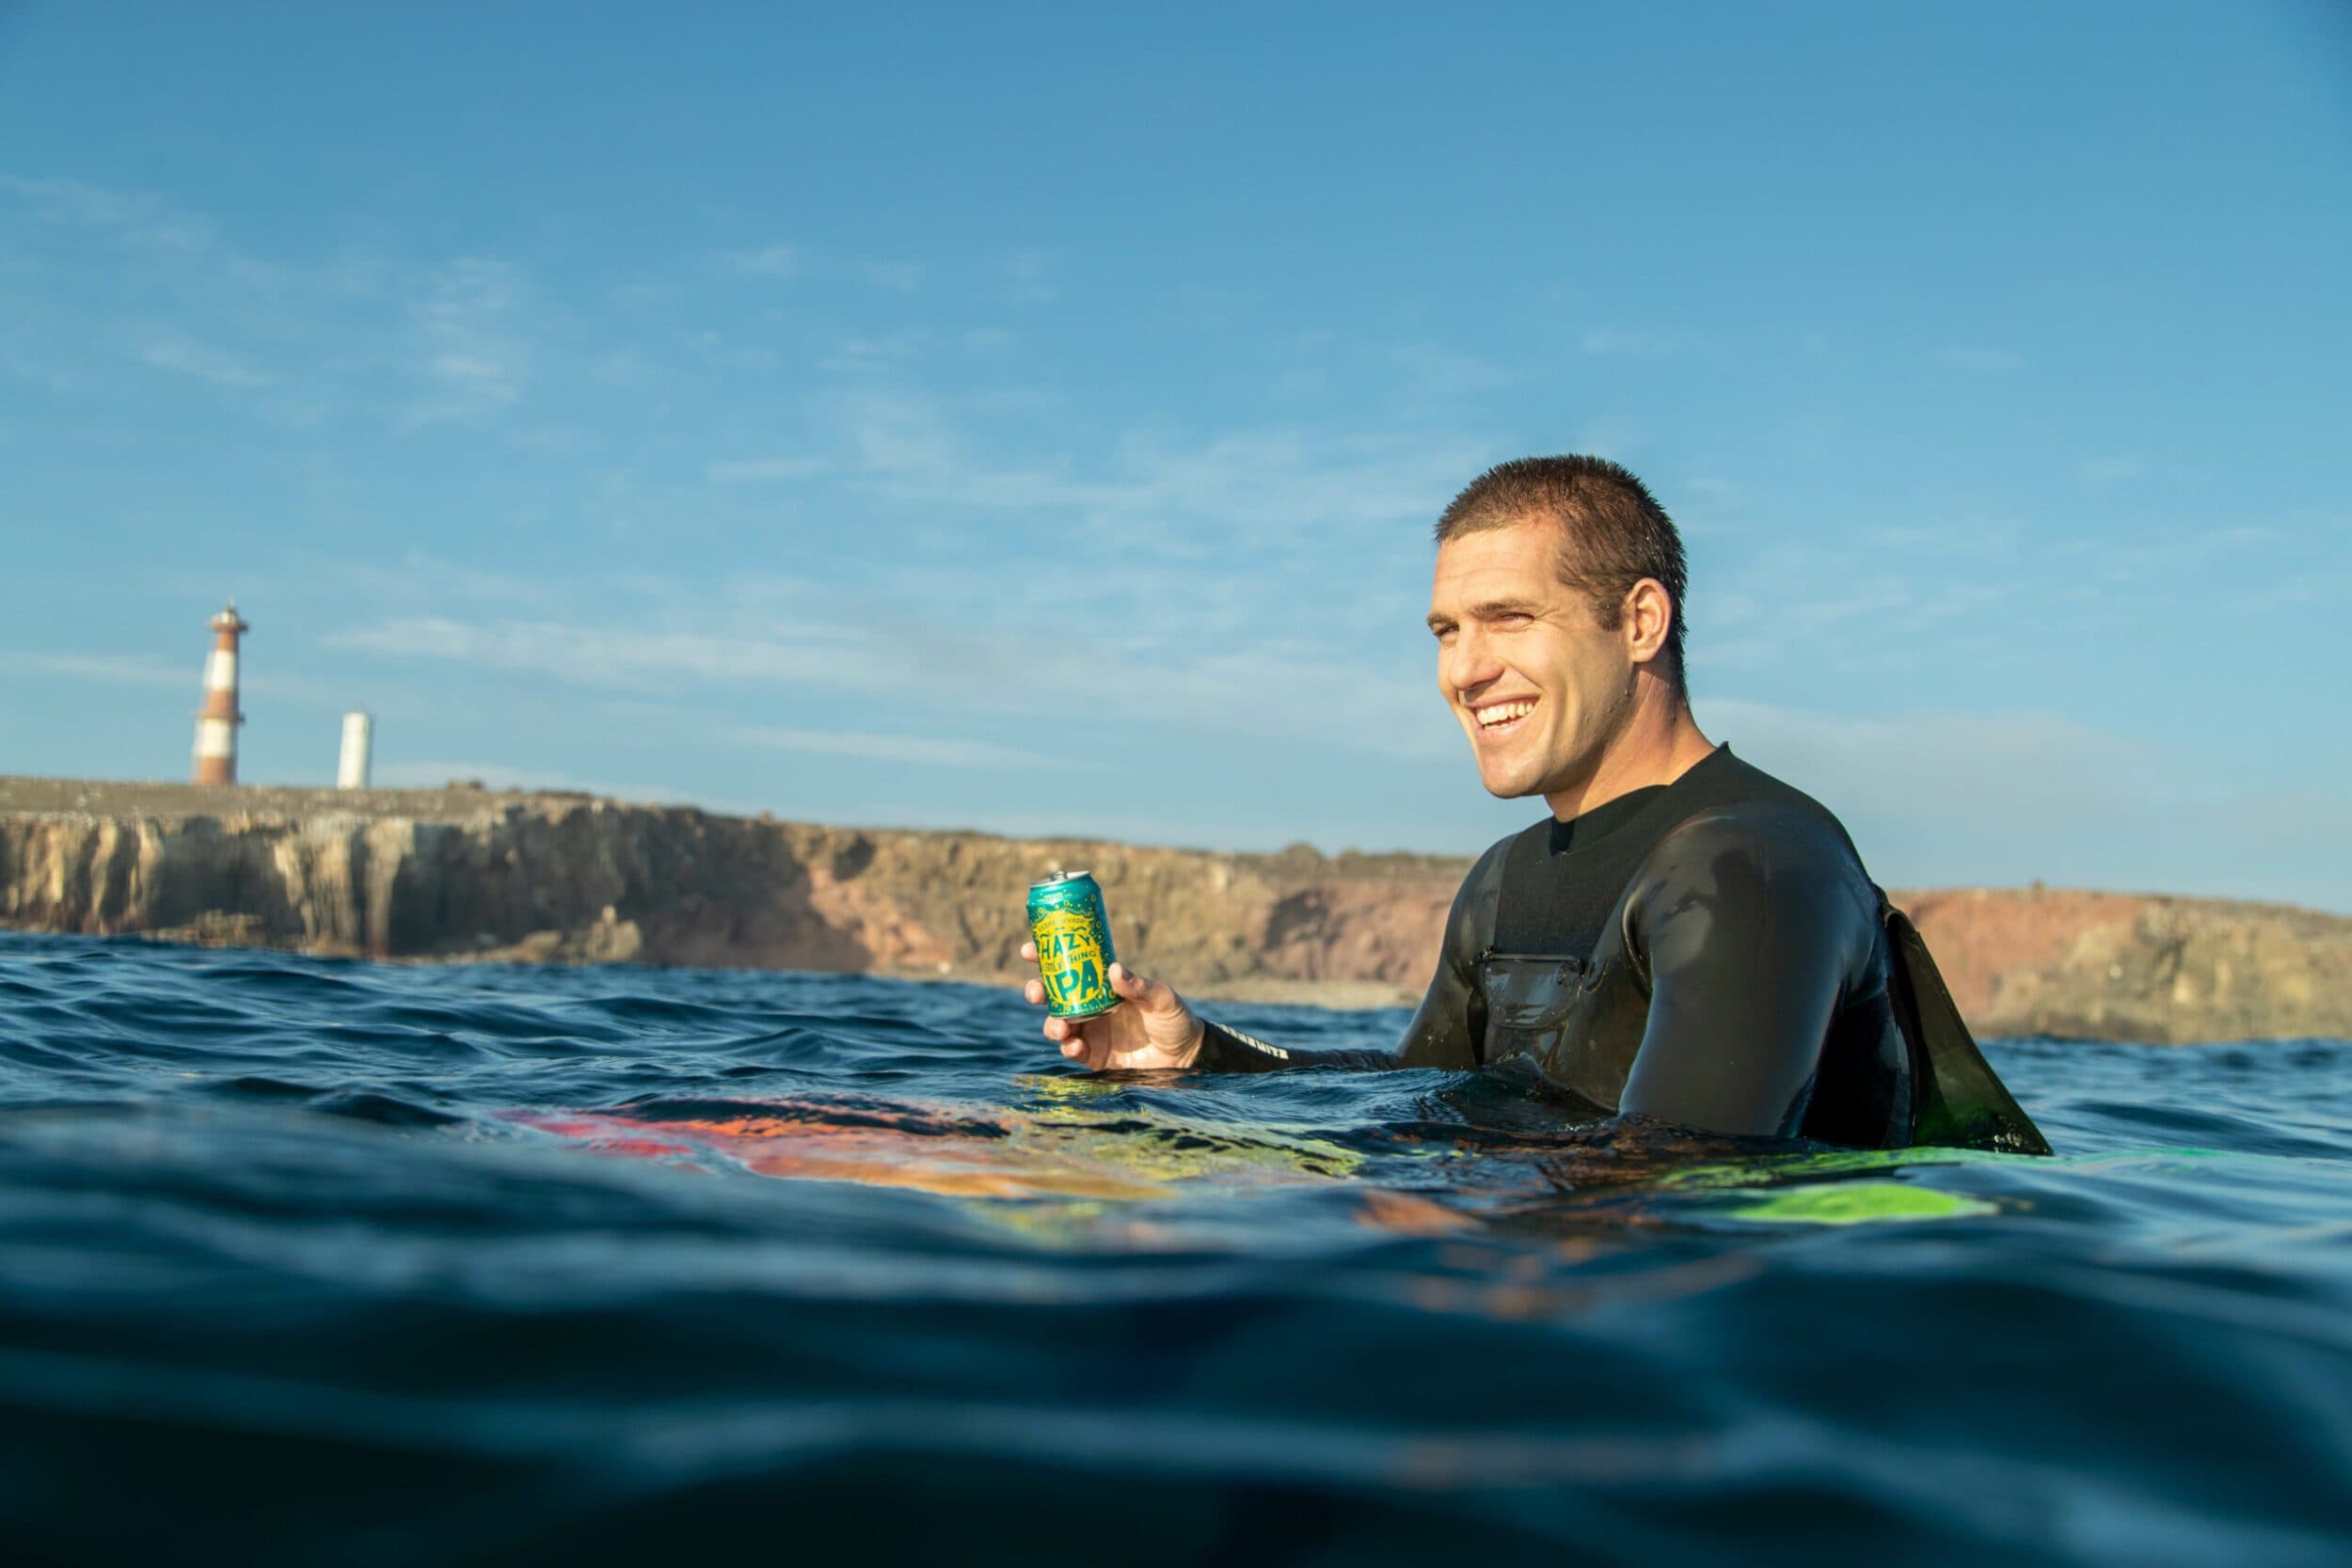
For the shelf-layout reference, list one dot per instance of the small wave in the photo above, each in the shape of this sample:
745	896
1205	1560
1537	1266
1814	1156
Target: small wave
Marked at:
324	1260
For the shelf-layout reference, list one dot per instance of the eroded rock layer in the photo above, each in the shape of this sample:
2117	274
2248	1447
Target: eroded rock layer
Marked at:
471	874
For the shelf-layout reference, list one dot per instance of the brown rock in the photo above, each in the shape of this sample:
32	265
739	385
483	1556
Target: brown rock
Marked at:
474	874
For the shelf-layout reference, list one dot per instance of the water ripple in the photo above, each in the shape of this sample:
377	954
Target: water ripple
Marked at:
328	1262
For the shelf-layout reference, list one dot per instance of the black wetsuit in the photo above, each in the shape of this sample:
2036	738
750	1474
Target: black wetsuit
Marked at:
1709	952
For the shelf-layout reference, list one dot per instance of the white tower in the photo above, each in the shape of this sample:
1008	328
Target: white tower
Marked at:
351	770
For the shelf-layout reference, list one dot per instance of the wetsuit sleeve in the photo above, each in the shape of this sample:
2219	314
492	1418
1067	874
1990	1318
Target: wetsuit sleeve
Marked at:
1750	923
1444	1033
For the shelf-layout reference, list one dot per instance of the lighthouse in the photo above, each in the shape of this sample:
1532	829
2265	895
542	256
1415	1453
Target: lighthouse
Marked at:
216	722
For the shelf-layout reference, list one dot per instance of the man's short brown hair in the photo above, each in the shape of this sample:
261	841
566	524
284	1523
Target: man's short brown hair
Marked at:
1612	532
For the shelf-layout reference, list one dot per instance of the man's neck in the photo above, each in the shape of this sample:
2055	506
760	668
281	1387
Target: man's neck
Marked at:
1660	744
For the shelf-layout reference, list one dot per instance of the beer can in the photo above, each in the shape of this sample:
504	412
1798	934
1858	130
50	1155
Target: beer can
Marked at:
1073	944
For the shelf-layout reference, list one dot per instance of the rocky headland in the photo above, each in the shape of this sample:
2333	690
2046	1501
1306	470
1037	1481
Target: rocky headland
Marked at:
462	873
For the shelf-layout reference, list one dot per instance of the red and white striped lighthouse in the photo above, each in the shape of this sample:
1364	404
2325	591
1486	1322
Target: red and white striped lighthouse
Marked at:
216	722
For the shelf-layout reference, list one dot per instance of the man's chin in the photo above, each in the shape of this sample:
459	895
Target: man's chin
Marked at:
1507	786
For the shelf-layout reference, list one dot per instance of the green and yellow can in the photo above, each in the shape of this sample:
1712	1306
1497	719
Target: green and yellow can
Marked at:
1073	944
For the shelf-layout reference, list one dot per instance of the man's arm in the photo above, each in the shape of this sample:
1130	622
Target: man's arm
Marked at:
1444	1029
1749	922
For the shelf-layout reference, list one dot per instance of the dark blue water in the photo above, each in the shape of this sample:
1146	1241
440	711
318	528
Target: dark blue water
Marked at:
313	1262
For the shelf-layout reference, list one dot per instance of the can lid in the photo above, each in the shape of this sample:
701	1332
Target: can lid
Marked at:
1052	877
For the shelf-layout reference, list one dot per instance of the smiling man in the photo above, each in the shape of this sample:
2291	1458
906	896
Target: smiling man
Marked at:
1683	937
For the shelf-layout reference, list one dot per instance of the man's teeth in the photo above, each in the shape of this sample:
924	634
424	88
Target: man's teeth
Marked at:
1502	713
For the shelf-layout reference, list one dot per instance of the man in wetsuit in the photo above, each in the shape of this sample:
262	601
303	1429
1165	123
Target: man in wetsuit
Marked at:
1683	938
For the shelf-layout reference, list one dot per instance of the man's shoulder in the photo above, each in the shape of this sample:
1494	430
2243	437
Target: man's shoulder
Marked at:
1723	778
1739	807
1764	831
1761	861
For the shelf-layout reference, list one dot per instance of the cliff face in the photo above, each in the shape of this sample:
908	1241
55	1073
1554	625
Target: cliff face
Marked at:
468	873
2137	967
458	874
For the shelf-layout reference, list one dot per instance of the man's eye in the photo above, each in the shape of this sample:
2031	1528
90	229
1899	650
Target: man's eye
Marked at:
1512	618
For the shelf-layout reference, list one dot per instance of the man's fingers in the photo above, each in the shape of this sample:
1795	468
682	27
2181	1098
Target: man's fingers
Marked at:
1134	986
1028	951
1035	994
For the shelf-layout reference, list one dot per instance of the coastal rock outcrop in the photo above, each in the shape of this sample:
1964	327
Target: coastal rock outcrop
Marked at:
2137	967
471	874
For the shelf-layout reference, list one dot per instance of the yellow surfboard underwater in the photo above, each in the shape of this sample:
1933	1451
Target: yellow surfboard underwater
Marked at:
1064	1150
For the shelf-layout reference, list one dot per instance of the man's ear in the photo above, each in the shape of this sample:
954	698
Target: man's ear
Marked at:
1649	615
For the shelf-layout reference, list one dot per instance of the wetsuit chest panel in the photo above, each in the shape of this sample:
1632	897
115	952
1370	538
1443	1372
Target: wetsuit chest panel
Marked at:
1528	1001
1580	1021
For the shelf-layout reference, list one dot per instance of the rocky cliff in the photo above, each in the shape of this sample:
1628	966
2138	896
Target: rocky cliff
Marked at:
456	874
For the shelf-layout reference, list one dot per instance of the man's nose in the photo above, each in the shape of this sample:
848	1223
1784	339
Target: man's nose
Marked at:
1468	662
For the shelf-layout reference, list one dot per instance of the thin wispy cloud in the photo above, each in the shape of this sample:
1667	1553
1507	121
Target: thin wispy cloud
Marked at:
2005	798
802	263
616	656
862	354
1266	689
1431	375
1978	771
184	355
111	669
2176	554
146	219
2289	596
1832	603
763	470
1633	343
913	750
473	358
1280	487
1359	707
150	669
903	277
1620	439
773	260
1029	277
1973	538
405	342
424	578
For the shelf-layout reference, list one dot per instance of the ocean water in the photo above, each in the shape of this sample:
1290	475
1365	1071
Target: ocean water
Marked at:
317	1262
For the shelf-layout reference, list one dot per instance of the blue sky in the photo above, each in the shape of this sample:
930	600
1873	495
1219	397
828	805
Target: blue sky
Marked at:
1030	418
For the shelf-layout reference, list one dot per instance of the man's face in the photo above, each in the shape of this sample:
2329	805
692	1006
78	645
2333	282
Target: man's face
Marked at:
1539	686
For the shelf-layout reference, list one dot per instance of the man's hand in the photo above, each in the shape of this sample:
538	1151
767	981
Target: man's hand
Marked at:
1155	1029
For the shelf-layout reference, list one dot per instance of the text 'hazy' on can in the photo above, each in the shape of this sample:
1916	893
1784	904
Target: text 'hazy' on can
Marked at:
1073	944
